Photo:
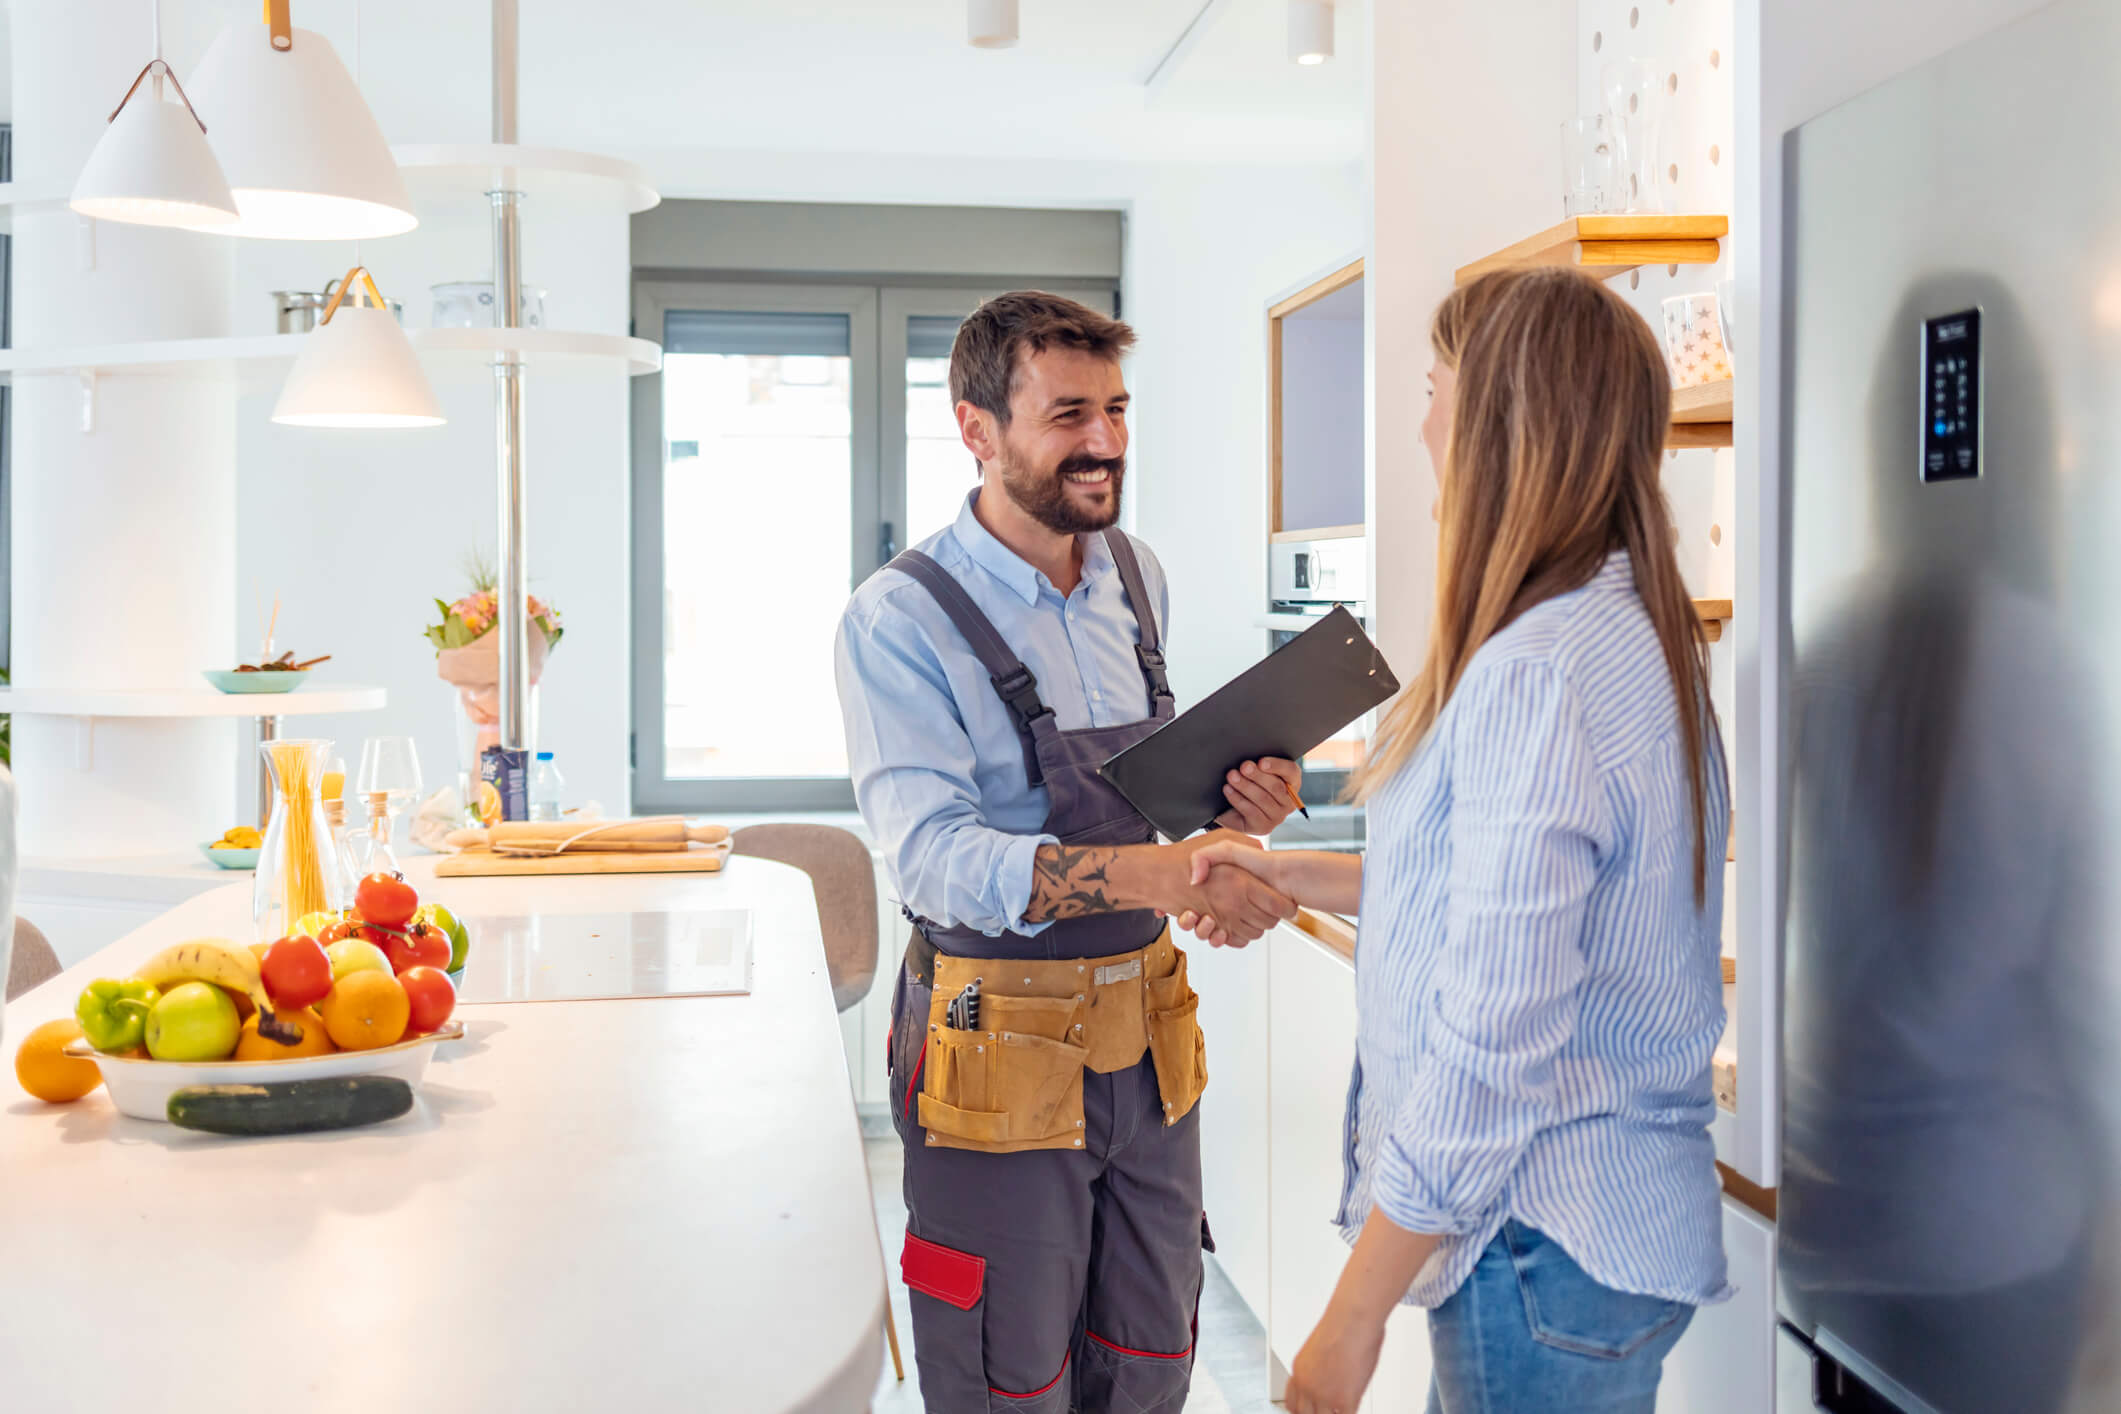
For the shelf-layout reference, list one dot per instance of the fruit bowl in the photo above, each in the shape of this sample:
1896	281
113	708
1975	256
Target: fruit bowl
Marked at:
272	680
141	1088
231	858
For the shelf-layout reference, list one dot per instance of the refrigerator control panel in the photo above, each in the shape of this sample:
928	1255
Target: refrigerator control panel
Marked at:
1951	397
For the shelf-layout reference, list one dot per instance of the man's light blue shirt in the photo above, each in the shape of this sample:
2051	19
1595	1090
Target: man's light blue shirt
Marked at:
936	759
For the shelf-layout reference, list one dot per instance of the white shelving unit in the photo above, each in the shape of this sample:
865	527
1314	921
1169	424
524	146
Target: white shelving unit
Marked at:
203	702
471	169
537	346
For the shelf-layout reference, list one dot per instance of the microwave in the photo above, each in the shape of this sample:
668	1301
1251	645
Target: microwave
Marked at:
1311	576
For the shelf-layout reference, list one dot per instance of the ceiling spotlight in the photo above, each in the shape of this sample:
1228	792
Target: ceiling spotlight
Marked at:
990	24
1310	31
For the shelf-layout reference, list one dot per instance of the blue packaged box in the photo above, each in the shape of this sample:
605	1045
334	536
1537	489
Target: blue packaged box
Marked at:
509	774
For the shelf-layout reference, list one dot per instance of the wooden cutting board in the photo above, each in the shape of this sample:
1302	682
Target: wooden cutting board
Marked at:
479	863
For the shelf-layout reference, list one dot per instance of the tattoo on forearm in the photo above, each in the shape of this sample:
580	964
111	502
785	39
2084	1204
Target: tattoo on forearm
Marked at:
1070	883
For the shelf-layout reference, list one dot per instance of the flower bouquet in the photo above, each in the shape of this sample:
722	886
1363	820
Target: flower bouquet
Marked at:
468	653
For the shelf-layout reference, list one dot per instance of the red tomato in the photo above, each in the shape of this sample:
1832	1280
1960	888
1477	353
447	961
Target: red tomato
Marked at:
386	899
432	998
336	932
423	947
297	972
428	947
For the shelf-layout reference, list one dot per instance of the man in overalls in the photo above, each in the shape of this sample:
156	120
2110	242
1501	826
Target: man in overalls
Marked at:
1044	1054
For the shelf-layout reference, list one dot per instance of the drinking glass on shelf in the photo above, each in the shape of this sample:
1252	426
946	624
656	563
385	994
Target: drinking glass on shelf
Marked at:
1586	167
1634	113
389	781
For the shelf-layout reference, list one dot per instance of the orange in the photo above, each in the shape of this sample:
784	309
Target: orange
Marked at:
49	1074
316	1040
365	1010
244	1006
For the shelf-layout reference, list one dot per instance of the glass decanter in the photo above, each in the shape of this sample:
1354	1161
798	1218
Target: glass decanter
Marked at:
389	782
300	870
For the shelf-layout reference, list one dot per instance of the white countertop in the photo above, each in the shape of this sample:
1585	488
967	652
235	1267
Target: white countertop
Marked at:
640	1205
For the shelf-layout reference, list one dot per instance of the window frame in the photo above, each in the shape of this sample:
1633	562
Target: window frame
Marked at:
877	312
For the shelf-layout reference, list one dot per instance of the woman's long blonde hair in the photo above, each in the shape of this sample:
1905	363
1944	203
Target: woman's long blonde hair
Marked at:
1557	438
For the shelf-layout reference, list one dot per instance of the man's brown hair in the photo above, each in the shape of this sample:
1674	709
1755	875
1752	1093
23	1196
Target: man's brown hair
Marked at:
996	337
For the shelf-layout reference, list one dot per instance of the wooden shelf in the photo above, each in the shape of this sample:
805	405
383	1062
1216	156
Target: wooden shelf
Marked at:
1714	614
1613	245
1701	416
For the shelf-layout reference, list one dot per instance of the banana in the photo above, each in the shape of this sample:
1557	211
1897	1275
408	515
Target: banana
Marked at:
223	963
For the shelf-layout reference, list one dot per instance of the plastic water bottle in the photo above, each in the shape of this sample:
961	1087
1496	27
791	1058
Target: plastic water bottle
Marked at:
545	788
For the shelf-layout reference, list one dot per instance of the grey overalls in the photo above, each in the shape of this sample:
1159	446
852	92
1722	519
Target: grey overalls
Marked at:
1063	1275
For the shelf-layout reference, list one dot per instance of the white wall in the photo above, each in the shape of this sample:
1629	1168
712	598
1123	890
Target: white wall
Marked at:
1466	112
1207	251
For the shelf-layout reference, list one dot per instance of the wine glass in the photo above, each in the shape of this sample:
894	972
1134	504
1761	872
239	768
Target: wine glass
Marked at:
389	781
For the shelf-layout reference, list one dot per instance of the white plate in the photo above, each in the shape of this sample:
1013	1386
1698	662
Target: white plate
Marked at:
141	1088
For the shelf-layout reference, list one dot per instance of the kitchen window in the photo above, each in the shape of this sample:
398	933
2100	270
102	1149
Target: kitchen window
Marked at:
799	436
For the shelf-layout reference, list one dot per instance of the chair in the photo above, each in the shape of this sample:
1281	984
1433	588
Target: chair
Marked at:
33	963
843	877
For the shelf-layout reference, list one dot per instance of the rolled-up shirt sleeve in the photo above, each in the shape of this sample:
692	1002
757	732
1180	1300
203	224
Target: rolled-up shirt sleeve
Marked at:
912	764
1527	819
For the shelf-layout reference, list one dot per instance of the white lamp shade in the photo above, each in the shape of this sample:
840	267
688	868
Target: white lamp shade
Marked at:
990	24
1310	31
303	154
152	167
358	370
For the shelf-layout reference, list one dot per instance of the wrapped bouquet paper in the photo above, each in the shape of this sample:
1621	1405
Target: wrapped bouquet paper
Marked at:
468	657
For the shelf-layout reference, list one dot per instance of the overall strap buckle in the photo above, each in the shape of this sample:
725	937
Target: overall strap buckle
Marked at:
1152	661
1019	689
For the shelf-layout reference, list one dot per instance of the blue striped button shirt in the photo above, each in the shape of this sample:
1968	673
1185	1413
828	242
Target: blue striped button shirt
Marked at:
1538	996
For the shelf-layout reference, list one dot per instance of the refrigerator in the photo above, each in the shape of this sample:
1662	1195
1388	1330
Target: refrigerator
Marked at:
1951	421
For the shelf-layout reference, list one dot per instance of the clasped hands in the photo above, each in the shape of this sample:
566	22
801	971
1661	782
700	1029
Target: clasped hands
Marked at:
1233	894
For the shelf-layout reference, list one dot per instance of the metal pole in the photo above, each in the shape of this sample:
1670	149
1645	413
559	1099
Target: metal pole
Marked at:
512	590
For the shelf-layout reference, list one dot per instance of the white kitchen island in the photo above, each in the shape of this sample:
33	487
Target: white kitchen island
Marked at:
642	1204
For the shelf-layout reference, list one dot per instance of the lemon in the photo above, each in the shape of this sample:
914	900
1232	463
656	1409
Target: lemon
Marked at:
311	924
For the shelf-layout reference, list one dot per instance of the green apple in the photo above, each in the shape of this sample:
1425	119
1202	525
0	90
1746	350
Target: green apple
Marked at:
356	955
459	936
194	1021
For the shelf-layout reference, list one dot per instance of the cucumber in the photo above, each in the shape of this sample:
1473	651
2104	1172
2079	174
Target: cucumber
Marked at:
290	1106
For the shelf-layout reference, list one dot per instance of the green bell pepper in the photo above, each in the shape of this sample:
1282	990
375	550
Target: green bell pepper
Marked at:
113	1015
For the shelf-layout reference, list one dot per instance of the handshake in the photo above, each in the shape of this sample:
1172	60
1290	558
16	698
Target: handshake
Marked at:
1222	887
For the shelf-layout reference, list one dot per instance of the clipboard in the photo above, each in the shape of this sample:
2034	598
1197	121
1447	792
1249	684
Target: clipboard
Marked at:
1284	705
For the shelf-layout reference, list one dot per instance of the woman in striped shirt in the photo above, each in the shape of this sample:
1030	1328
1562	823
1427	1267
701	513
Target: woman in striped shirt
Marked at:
1538	981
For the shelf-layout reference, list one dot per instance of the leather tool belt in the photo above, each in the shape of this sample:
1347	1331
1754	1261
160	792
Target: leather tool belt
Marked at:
1015	1081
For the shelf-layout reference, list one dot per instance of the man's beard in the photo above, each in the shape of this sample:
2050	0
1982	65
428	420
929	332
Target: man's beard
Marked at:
1044	496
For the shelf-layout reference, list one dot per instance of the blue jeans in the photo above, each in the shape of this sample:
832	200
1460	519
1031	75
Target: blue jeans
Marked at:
1530	1333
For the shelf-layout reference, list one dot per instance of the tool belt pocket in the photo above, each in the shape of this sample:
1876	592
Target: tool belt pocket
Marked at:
1175	1042
1015	1083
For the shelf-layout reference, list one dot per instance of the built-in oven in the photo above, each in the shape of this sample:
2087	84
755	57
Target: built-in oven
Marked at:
1305	580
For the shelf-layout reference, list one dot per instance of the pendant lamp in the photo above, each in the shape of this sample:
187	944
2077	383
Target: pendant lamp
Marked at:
990	24
152	166
357	368
303	154
1310	31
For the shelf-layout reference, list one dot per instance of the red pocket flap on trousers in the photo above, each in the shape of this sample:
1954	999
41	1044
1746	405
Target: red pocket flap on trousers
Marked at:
955	1277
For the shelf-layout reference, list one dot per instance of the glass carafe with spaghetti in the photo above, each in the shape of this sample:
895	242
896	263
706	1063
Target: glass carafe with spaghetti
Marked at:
299	868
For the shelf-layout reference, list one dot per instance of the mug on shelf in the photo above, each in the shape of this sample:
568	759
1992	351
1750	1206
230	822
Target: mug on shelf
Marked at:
1693	340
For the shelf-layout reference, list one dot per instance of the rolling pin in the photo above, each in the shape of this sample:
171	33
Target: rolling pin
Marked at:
664	833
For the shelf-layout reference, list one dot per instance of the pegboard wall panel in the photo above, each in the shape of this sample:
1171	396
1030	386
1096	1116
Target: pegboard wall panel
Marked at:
1688	43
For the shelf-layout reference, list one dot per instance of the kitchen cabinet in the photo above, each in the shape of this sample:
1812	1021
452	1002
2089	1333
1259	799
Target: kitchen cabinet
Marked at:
1234	1151
1310	1054
1725	1363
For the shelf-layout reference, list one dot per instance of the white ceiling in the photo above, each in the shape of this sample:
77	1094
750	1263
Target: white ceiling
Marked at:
897	76
858	76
